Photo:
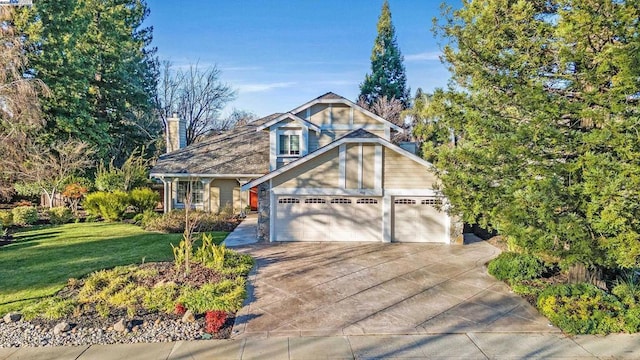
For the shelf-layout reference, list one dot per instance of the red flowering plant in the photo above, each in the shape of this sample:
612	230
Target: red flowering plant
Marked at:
214	320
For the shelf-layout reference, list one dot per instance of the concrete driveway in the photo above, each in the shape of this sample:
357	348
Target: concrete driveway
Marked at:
317	289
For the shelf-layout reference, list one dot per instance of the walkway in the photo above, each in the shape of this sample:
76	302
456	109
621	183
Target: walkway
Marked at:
245	233
439	346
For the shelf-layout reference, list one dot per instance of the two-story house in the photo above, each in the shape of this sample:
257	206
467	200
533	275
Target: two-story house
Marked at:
324	171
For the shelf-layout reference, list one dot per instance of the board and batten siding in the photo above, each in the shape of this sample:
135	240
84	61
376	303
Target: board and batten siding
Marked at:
320	172
401	172
225	192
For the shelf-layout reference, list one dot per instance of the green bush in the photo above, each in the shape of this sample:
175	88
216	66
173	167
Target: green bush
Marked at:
173	222
111	206
60	215
51	308
627	289
25	215
144	199
515	267
226	295
6	218
582	309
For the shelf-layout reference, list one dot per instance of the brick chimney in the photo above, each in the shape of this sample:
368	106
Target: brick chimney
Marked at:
176	133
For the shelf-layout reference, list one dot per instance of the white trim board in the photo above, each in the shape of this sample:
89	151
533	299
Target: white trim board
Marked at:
327	192
341	141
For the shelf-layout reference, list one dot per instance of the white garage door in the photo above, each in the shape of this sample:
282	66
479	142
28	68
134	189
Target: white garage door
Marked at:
417	219
324	218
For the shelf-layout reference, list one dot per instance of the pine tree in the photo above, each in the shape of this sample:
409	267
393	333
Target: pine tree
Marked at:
95	57
387	76
545	108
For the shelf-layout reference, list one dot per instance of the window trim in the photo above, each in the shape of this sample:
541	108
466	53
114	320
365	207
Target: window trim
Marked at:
289	134
196	193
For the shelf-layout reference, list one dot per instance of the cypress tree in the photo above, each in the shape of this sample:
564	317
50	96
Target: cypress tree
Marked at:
387	76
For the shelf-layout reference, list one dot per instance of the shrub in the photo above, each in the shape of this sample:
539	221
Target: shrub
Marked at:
52	308
25	215
515	267
6	218
581	309
180	309
144	199
627	289
111	206
173	222
60	215
226	295
214	320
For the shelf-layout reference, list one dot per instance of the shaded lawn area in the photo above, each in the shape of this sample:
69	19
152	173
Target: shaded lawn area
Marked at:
41	260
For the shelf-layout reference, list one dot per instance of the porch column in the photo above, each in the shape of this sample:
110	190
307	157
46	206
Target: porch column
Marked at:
168	191
206	197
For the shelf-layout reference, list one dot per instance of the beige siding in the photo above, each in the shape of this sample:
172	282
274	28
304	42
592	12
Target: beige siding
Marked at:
313	141
321	172
360	118
340	114
352	165
400	172
225	192
319	114
368	166
214	198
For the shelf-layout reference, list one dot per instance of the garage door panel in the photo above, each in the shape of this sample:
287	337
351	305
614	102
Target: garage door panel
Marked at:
416	219
327	218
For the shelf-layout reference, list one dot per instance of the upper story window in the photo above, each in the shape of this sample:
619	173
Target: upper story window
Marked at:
289	144
196	189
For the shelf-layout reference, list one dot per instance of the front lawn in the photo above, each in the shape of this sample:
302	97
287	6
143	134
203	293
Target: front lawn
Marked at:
41	260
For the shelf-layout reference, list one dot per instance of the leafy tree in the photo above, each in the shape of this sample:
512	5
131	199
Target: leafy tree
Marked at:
387	76
133	173
95	57
544	105
47	168
20	112
427	129
196	95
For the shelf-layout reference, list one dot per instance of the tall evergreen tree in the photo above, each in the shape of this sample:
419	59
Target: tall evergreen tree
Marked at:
545	106
96	58
387	76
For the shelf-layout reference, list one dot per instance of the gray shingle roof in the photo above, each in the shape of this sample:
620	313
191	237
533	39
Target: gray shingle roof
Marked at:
242	150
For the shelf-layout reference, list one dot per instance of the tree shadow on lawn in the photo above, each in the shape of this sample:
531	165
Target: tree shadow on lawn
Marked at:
43	266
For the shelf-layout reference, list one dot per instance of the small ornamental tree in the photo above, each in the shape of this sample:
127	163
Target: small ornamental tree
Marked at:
74	192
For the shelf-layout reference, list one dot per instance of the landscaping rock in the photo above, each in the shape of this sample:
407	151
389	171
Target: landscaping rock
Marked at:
120	326
12	317
188	317
61	327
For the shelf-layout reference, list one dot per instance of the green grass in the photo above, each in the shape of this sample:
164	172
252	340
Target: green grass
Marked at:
41	259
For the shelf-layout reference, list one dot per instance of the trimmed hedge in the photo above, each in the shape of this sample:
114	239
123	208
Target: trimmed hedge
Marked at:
144	199
6	218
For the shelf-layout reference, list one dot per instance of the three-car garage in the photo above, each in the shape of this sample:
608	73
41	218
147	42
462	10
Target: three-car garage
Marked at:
351	218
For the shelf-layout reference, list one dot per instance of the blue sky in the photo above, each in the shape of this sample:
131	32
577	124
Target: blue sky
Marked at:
279	54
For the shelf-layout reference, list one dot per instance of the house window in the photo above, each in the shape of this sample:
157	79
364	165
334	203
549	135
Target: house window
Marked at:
367	201
196	189
341	201
315	201
432	202
405	201
289	144
288	201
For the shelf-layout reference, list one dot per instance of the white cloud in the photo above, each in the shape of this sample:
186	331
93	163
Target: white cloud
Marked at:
424	56
240	68
262	87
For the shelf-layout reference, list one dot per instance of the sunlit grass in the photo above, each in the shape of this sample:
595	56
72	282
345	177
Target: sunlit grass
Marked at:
41	260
